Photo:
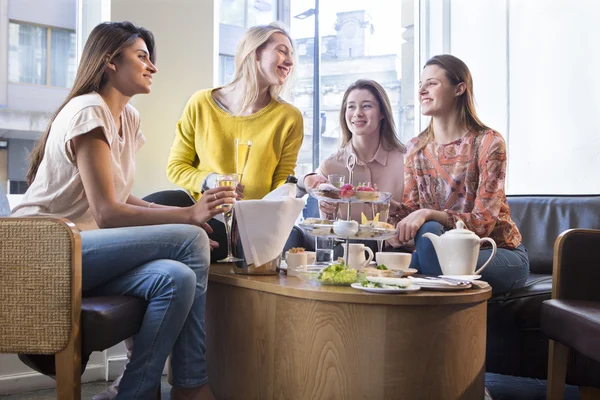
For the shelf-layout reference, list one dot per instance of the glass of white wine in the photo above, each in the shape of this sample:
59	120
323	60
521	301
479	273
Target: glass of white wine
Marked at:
232	181
384	211
242	151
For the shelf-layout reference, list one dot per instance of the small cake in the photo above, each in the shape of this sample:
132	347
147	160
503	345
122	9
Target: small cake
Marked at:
347	191
366	193
328	190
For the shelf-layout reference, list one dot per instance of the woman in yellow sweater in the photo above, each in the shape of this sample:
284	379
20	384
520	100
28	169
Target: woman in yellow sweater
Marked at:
249	108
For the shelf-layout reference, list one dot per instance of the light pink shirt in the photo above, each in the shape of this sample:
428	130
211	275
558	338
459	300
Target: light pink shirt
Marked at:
386	170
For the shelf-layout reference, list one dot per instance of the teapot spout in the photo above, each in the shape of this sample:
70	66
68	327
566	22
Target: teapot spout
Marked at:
435	239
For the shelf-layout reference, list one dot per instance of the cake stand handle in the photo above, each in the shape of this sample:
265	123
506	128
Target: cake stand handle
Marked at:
350	164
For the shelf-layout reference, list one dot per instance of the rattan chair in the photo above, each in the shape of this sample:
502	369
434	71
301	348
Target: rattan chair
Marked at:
40	295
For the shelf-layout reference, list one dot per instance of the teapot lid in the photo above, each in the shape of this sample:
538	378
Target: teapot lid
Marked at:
460	230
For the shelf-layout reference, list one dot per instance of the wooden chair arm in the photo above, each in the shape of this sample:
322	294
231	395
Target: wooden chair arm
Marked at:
576	269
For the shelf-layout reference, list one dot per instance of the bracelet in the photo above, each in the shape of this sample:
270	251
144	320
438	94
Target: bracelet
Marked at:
150	205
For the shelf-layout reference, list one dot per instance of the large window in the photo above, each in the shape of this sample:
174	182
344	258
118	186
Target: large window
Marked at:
357	40
535	83
41	55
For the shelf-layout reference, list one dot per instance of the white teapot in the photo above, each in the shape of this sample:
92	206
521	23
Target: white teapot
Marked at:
458	249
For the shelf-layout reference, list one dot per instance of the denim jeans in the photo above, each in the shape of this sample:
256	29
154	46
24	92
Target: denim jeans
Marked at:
167	265
507	271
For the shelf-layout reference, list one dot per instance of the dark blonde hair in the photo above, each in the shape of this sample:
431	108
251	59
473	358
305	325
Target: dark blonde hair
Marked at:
456	72
255	39
387	132
105	43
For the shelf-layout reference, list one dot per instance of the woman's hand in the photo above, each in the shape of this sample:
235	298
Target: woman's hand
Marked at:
329	209
312	181
206	207
409	226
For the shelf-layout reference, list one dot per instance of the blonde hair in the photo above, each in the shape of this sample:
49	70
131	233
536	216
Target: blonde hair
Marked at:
387	131
456	72
105	43
245	77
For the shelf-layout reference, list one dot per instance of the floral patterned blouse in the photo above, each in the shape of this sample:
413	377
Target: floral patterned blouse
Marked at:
465	179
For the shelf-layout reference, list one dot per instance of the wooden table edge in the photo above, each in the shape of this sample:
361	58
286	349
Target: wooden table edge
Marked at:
297	288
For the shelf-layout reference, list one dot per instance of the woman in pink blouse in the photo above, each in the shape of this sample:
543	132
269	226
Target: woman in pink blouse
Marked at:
368	131
455	170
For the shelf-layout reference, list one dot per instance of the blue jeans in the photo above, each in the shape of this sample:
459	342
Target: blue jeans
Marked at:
507	271
167	265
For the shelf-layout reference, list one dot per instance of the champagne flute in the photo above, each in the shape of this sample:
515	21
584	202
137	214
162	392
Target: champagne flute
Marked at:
242	151
383	210
230	180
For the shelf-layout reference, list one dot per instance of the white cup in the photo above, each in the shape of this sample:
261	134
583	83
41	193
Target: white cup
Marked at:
295	261
311	257
395	261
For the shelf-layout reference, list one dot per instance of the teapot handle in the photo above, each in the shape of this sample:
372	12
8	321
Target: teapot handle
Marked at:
487	239
368	261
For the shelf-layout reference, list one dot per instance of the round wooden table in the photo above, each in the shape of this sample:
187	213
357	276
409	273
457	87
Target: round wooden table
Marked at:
274	337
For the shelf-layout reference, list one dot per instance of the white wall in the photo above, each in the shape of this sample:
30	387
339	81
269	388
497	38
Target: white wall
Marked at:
186	34
534	66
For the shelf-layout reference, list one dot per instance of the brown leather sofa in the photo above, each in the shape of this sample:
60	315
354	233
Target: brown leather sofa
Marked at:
515	344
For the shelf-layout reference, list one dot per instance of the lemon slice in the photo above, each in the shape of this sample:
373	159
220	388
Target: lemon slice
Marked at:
364	220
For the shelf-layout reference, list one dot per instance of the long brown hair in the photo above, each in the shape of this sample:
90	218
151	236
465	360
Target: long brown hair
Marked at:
389	138
456	72
105	43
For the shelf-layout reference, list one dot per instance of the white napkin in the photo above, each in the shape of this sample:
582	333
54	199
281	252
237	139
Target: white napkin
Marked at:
264	225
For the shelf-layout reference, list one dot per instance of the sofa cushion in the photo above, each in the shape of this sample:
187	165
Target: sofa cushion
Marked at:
574	323
108	320
541	219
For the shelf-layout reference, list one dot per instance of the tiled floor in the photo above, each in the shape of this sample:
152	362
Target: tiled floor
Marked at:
501	387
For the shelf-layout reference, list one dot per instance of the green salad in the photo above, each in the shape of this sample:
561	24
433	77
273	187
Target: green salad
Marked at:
339	274
368	284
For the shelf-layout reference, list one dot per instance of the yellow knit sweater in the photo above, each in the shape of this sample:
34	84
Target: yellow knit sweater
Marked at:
205	143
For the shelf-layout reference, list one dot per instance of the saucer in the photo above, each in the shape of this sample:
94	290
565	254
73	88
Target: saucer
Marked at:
461	277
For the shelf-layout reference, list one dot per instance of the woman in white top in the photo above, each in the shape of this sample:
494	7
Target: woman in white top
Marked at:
83	168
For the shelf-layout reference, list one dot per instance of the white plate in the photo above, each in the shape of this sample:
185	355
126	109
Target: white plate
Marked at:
461	277
411	288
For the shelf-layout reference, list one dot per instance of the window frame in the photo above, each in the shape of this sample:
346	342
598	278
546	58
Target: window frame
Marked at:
48	61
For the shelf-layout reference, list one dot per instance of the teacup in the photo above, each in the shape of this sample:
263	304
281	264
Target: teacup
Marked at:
295	261
395	261
311	257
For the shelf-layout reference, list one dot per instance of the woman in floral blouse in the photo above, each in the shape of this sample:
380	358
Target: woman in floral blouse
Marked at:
455	170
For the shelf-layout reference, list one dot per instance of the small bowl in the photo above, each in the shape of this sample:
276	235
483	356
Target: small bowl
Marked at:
345	228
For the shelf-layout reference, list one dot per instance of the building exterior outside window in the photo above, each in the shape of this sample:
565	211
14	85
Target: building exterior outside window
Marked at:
41	55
